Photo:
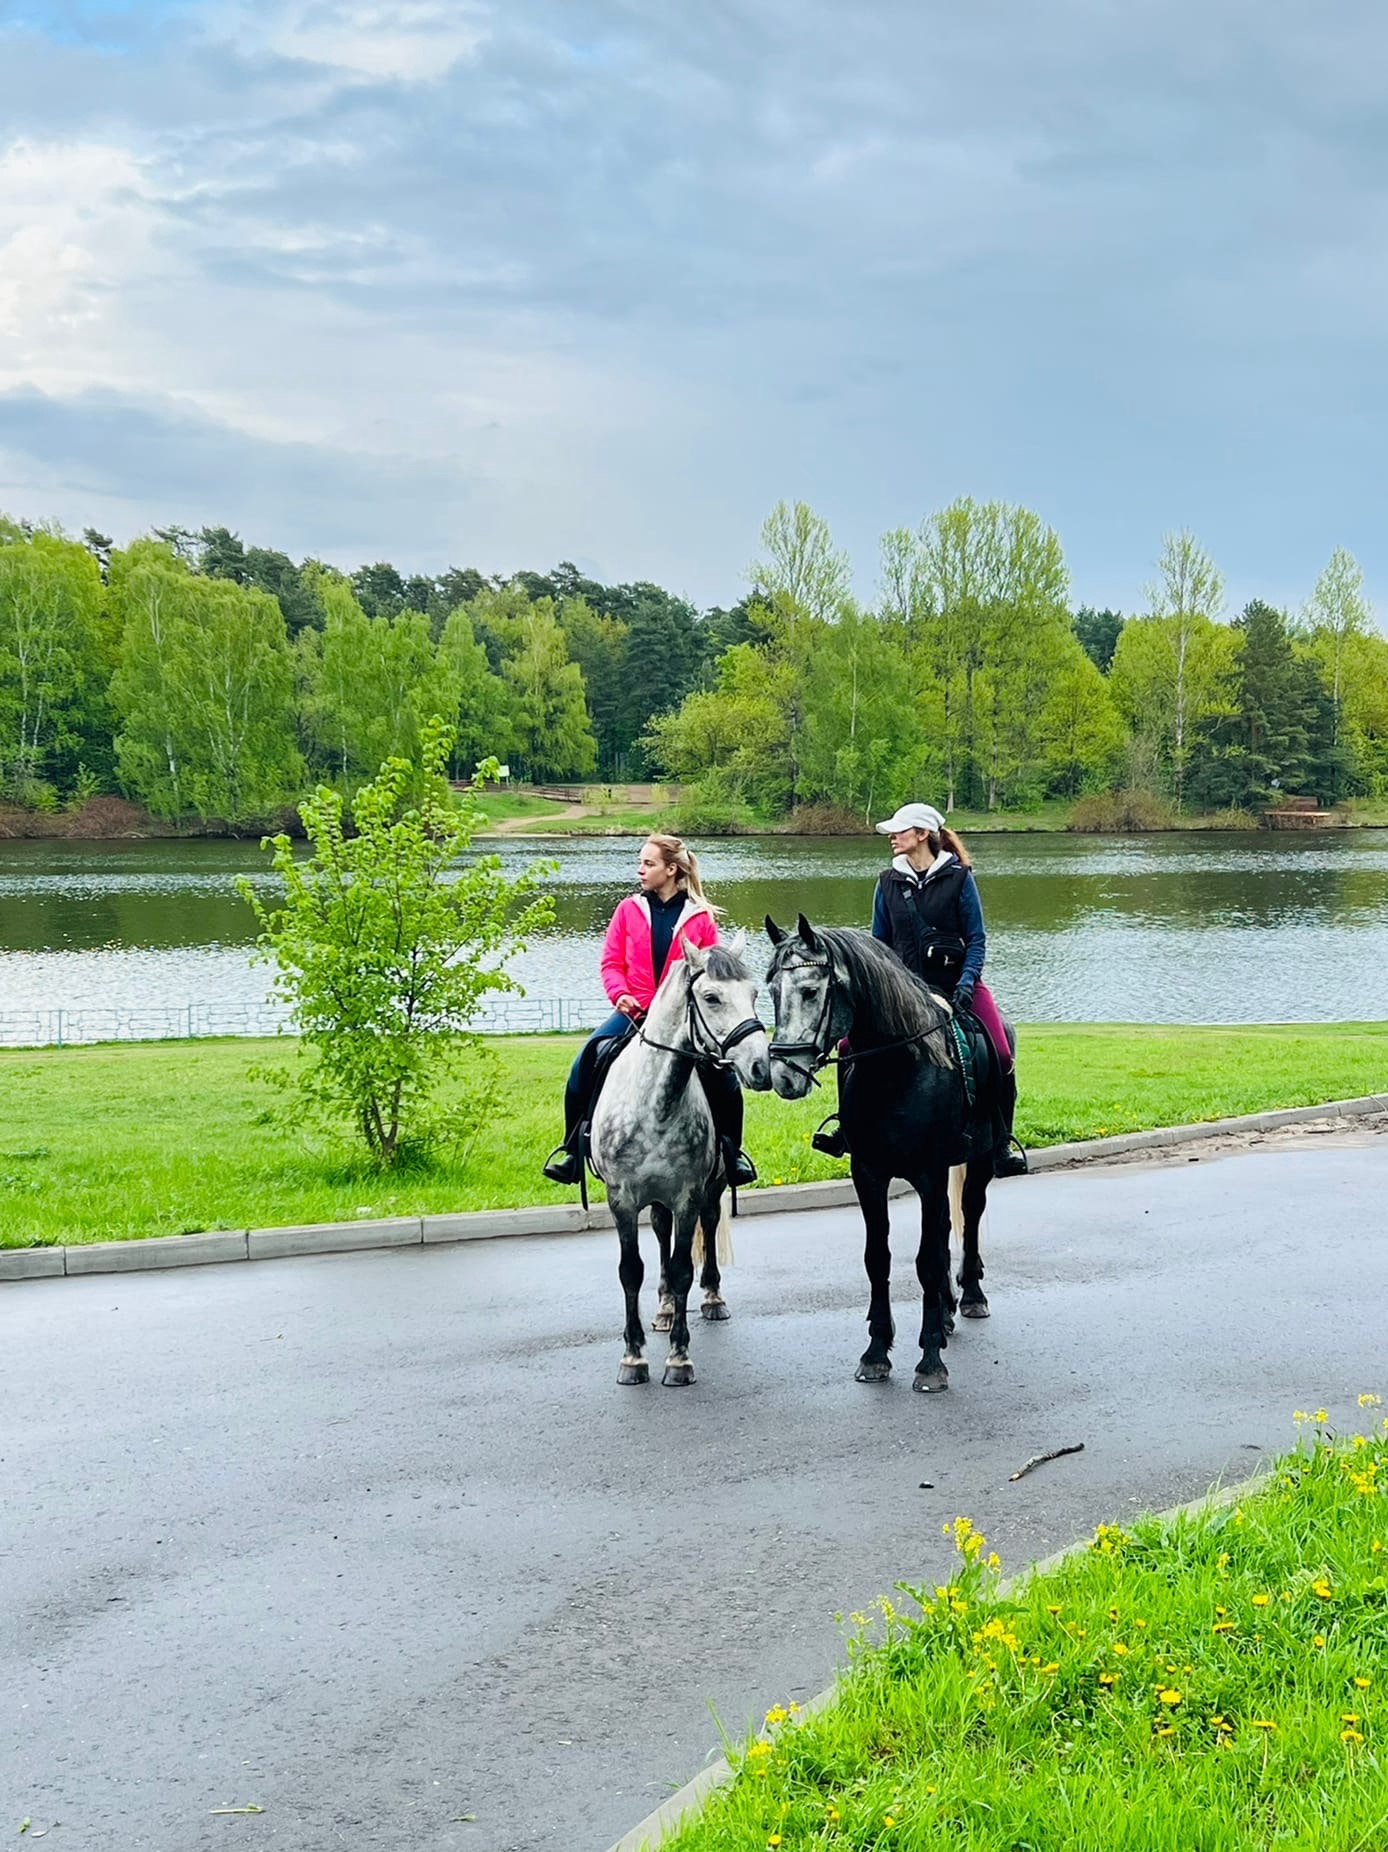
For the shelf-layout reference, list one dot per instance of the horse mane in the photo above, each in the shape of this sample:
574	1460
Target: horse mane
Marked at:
892	999
723	963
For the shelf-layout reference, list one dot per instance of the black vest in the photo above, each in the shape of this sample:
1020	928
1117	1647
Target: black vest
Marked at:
926	933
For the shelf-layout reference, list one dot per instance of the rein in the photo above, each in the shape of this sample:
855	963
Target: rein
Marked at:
714	1053
783	1051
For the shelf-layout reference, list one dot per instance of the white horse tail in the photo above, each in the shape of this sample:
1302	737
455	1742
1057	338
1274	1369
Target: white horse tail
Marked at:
956	1200
723	1238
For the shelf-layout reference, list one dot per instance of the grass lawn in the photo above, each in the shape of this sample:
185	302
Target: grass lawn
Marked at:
1212	1683
154	1138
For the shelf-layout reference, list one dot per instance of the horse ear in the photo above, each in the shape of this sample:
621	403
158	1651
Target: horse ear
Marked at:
806	931
774	932
695	957
737	945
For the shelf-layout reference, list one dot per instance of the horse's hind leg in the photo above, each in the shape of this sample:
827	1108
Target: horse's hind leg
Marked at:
972	1302
679	1371
665	1309
932	1270
875	1364
715	1306
631	1271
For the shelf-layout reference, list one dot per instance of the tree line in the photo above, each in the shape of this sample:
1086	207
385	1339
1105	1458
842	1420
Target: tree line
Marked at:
213	680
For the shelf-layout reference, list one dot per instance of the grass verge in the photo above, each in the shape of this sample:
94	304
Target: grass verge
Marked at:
156	1138
1212	1682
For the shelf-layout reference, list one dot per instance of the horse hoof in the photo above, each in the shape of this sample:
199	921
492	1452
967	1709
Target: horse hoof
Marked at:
975	1308
631	1373
678	1375
873	1373
715	1311
930	1382
662	1321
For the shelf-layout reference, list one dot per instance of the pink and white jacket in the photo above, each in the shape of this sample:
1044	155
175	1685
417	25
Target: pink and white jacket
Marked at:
626	950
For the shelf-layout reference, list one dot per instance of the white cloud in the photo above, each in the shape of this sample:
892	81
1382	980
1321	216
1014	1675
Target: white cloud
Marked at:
409	41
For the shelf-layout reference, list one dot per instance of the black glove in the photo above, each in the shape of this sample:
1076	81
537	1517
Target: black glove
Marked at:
963	998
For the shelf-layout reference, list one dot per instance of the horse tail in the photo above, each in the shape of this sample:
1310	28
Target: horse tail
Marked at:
722	1237
956	1200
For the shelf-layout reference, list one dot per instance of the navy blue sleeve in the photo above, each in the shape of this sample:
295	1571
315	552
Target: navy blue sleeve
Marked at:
881	918
971	925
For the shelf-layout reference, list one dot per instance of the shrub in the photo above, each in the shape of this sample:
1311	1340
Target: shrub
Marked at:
1113	812
825	820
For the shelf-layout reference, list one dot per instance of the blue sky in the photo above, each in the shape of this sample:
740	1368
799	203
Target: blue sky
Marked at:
499	285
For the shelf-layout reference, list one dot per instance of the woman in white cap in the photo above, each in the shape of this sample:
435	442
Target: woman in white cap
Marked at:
927	909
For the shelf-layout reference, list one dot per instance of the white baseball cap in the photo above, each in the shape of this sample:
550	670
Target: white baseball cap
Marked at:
912	817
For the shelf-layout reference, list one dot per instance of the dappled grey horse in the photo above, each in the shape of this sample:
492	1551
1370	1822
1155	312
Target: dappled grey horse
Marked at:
653	1143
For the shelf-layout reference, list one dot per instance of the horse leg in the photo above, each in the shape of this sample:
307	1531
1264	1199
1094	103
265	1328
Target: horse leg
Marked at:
679	1371
631	1271
665	1308
715	1306
932	1270
875	1364
973	1302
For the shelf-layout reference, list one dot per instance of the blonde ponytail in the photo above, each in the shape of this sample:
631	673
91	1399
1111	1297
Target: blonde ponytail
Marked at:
682	858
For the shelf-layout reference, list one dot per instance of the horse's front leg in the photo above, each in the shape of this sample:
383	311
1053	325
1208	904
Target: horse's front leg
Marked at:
973	1302
932	1270
661	1223
715	1306
679	1371
631	1271
875	1364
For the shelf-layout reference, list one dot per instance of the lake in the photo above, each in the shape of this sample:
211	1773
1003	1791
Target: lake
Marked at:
1185	927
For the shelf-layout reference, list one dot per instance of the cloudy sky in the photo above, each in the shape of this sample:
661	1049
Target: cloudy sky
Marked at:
499	284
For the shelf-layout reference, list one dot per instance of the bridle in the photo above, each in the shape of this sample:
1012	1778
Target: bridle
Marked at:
707	1049
817	1045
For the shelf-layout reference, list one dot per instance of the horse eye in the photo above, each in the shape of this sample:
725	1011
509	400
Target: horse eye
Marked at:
712	996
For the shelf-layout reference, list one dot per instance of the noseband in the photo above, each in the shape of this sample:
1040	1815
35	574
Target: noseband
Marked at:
817	1045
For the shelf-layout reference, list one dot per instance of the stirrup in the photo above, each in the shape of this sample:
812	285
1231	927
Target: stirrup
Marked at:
832	1144
564	1166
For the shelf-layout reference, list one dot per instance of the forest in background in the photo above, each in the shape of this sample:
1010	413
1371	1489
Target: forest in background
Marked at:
213	682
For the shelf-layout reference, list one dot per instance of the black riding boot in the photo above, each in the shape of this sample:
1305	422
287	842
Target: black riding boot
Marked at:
565	1162
834	1142
725	1102
1006	1161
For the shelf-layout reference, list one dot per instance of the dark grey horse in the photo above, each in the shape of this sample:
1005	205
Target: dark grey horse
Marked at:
653	1143
905	1110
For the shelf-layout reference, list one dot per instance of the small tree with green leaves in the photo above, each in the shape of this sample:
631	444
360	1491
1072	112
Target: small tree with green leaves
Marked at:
384	948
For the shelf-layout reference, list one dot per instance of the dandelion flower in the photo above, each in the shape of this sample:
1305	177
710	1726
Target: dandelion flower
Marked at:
1362	1684
1318	1639
1371	1401
1261	1601
773	1839
1262	1723
1169	1695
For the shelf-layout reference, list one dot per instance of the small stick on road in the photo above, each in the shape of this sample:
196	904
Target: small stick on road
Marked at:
1056	1453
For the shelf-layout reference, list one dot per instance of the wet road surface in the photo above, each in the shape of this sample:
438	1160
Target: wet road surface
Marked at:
373	1542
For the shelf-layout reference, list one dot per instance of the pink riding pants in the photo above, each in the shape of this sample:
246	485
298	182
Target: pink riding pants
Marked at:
990	1016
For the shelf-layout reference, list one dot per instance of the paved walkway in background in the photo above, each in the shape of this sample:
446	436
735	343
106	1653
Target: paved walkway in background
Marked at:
373	1542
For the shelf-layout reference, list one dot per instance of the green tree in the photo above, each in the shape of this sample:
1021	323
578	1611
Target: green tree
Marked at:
51	666
863	737
1260	745
369	685
1080	731
484	721
203	692
1337	615
1098	634
598	644
1186	602
384	951
1162	674
552	732
739	729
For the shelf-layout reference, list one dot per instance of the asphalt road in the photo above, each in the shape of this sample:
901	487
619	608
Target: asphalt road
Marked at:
375	1542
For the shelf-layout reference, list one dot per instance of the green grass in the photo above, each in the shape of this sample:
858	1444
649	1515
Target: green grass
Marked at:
153	1138
506	806
1212	1683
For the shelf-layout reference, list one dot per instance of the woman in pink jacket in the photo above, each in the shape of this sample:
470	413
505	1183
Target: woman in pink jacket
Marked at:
646	933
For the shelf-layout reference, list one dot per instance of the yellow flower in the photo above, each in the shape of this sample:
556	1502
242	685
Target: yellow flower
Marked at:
1318	1639
1120	1649
776	1715
1139	1623
930	1790
1169	1695
773	1839
1320	1415
1351	1736
1222	1626
760	1748
1349	1716
778	1180
1165	1729
1054	1666
1322	1588
1108	1678
1371	1401
1052	1608
1262	1723
832	1814
888	1820
1362	1684
1261	1601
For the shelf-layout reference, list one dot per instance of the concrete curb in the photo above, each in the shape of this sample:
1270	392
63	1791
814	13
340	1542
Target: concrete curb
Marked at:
200	1250
649	1834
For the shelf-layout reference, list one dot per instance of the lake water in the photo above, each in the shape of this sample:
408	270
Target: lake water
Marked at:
1168	928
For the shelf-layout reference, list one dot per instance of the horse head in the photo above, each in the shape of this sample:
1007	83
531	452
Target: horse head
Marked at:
801	980
723	1011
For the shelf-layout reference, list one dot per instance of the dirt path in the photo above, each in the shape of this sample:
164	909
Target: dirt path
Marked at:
533	826
1324	1133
